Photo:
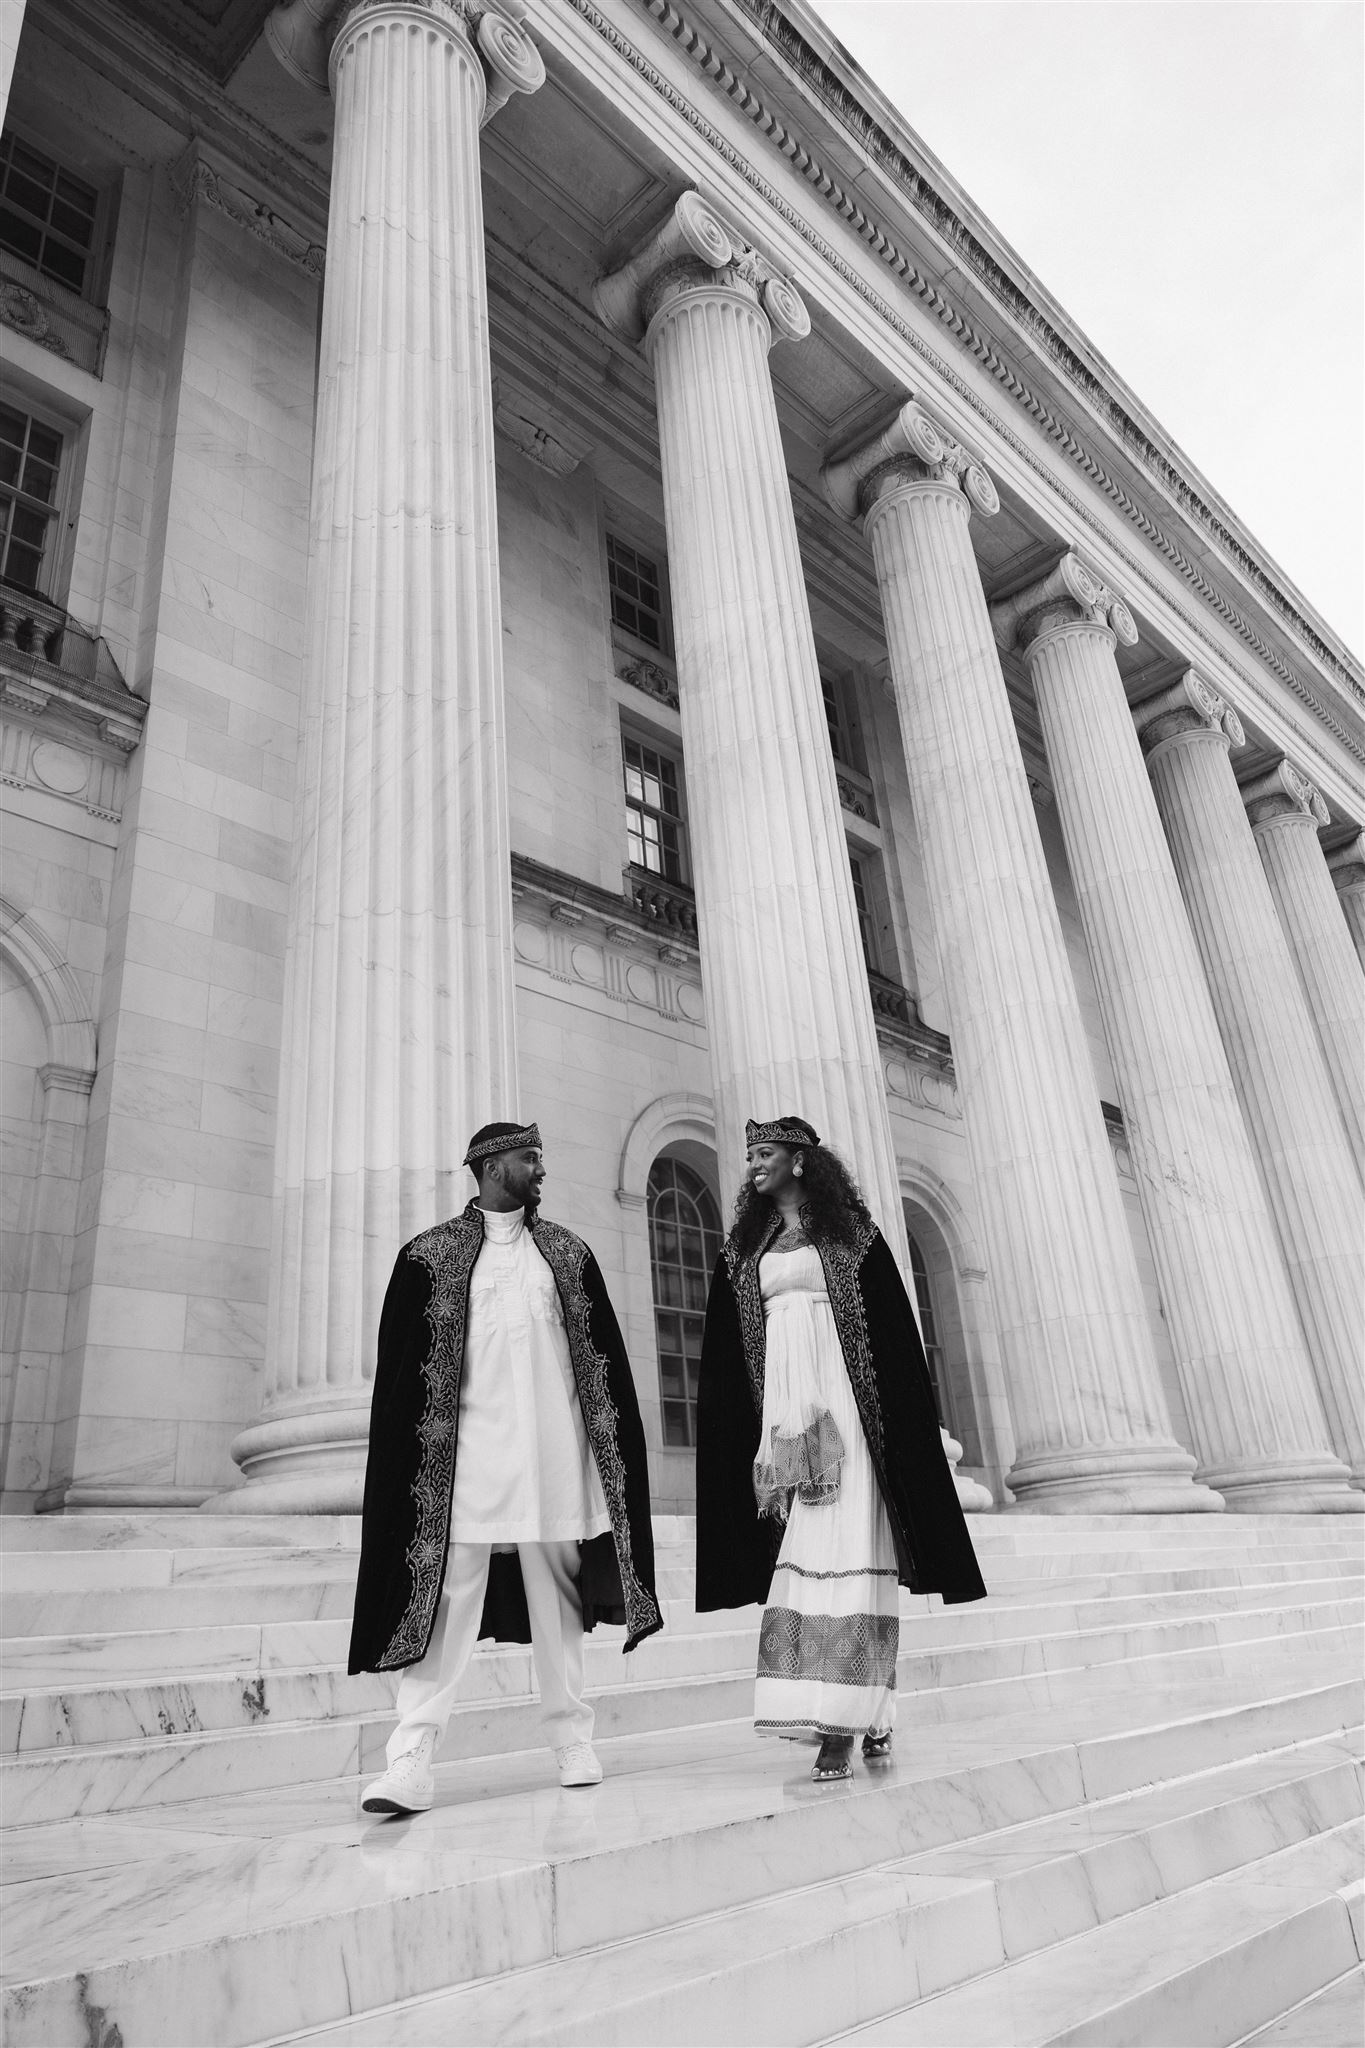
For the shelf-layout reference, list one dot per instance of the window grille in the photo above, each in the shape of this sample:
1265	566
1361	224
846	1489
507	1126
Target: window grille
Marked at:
30	469
47	217
684	1244
933	1350
655	830
637	605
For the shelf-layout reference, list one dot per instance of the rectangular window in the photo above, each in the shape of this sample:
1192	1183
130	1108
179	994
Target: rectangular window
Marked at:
867	929
637	605
30	467
47	217
834	718
656	833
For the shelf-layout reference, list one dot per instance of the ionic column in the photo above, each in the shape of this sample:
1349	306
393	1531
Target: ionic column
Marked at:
789	1016
398	1034
1091	1429
1249	1390
1296	1130
1346	865
1285	812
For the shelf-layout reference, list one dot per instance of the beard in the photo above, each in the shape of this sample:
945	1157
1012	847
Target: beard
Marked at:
531	1201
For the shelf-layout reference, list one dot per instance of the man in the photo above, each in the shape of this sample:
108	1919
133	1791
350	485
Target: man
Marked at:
497	1340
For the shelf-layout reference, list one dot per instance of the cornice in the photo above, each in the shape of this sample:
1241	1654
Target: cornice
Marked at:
714	68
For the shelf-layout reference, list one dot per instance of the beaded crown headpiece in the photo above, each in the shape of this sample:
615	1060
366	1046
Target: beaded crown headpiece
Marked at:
784	1130
495	1138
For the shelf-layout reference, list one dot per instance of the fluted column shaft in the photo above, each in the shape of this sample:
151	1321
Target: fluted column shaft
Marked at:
398	1031
789	1015
1249	1392
1296	1131
1089	1420
1285	812
1347	868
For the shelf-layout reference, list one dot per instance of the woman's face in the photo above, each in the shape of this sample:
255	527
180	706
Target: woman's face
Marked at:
770	1170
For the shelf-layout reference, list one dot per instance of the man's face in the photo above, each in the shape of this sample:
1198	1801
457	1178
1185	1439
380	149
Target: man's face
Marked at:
522	1174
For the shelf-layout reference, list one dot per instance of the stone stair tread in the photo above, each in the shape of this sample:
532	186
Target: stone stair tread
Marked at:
1332	2018
1075	1992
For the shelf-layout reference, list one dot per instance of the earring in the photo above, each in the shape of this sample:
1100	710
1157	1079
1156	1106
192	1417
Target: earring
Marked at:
797	1171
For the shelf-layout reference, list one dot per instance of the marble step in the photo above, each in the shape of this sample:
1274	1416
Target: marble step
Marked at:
794	1967
175	1607
1207	1966
248	1899
54	1783
63	1714
273	1646
1334	2018
171	1529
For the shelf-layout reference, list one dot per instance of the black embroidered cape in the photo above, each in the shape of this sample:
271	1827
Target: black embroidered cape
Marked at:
736	1550
414	1421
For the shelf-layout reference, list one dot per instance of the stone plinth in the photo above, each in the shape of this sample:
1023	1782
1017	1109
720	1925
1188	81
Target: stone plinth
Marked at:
1286	812
1248	1387
398	1034
1090	1424
1292	1117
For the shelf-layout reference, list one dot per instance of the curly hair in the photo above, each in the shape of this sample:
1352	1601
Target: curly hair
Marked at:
833	1209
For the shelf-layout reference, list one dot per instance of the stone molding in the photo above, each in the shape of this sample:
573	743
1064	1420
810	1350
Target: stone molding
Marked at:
947	224
1346	864
648	677
579	934
692	248
202	175
983	350
662	1122
61	1001
1069	595
914	447
1282	792
1189	705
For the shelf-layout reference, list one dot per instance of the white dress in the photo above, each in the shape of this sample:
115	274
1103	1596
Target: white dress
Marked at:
830	1634
523	1470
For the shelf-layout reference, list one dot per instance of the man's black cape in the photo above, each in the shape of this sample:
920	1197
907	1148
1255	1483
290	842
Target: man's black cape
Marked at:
736	1549
414	1426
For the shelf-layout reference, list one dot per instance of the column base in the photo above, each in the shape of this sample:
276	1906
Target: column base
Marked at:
973	1498
76	1499
1316	1486
306	1461
1154	1481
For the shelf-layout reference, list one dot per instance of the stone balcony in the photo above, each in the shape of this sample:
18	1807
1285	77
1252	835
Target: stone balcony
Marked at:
68	720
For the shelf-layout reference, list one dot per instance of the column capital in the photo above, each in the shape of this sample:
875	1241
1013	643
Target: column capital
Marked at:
306	36
1070	594
1191	705
1346	864
1282	792
914	448
693	249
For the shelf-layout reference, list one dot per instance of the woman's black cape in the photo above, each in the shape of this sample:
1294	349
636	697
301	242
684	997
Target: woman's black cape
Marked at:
414	1427
736	1550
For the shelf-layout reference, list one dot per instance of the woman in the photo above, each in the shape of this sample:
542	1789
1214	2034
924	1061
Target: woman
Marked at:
821	1479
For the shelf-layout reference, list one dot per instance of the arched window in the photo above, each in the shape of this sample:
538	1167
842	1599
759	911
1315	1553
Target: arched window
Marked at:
933	1350
684	1241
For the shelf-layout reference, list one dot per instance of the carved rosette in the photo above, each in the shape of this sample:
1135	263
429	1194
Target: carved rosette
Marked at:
913	449
694	250
1070	595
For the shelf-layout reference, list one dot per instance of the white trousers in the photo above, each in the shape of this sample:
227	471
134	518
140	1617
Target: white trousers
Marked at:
426	1691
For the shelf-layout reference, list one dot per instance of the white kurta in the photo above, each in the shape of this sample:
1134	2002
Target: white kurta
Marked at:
523	1469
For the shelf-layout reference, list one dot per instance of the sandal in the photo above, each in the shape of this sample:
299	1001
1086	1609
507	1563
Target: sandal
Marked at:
833	1760
877	1746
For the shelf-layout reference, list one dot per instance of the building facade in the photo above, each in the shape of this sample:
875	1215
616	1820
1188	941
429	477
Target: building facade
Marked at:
557	566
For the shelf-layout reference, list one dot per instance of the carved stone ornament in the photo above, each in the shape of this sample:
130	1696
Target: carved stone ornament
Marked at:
1190	705
913	448
1070	594
217	184
21	310
1283	792
304	35
691	248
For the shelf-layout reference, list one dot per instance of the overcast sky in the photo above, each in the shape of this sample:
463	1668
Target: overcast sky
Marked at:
1187	178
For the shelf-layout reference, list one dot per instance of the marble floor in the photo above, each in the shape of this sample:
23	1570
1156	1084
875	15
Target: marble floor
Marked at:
1122	1816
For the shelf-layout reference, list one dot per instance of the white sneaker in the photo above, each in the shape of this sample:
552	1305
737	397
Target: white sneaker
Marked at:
408	1785
578	1764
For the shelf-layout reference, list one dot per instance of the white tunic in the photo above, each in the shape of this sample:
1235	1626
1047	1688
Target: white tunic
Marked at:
523	1469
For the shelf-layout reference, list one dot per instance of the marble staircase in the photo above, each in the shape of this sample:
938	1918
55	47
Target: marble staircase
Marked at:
1125	1807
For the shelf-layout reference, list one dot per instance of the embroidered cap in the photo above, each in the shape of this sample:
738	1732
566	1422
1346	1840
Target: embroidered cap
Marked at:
495	1138
784	1130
